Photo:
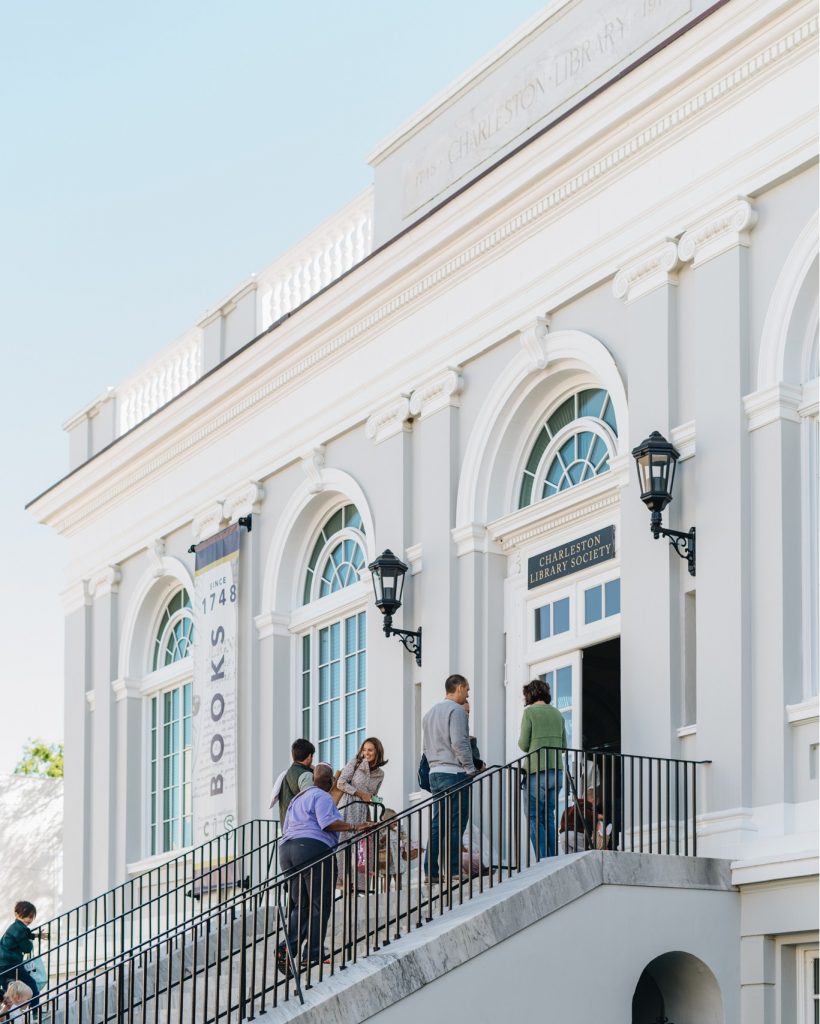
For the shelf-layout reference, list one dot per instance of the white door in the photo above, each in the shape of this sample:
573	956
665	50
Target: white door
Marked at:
563	676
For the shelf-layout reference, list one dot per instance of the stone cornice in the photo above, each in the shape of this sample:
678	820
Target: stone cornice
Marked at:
388	420
648	272
782	402
438	392
89	492
718	232
517	528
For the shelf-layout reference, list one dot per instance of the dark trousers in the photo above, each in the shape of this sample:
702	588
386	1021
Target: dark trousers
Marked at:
310	894
19	973
449	821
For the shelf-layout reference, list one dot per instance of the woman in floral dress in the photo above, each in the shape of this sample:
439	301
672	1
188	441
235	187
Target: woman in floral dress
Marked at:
359	781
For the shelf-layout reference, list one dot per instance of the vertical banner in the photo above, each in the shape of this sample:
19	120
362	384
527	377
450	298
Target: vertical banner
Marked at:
214	692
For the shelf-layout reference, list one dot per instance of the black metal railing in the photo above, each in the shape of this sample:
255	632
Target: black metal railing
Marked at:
234	962
158	899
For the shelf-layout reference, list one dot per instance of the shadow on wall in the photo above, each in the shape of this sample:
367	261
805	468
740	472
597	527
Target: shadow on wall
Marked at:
31	844
680	988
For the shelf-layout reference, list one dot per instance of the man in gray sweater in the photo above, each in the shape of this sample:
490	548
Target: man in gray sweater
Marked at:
446	742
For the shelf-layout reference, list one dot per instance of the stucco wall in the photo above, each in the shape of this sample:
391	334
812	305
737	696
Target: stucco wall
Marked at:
31	844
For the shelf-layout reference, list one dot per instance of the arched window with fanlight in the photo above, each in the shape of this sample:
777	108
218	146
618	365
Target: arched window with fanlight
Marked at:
574	443
170	724
333	683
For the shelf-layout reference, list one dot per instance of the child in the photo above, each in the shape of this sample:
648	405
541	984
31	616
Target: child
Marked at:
17	994
18	941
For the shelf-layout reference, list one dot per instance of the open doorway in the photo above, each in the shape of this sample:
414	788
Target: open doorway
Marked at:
601	698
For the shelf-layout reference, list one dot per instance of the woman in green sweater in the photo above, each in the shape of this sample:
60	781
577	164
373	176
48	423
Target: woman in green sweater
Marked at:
542	725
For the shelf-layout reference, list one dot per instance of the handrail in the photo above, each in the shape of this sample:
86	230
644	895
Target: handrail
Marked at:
635	802
149	903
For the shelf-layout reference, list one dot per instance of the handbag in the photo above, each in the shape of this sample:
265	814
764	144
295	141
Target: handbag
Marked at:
37	969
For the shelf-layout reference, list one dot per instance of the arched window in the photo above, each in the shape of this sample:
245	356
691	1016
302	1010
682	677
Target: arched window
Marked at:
574	444
333	692
171	726
175	632
337	555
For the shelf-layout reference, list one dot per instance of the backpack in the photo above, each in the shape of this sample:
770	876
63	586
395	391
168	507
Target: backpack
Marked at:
424	774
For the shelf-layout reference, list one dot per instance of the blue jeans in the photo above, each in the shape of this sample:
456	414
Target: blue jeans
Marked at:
455	812
544	788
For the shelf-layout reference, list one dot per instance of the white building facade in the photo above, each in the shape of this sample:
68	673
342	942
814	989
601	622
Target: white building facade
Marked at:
608	227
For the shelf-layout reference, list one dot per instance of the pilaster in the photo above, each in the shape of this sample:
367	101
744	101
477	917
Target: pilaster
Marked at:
649	591
717	246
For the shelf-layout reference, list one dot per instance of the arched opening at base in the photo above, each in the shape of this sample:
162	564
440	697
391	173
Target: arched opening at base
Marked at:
677	988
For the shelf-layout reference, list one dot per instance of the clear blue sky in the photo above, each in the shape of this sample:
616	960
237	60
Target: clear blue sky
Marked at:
153	155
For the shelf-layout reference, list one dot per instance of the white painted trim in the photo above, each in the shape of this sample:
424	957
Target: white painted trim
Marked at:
105	581
648	272
779	402
271	624
75	597
91	699
441	391
683	438
775	866
125	688
772	360
809	407
734	819
169	677
473	538
687	730
804	712
717	232
209	521
413	556
388	420
328	609
156	860
244	501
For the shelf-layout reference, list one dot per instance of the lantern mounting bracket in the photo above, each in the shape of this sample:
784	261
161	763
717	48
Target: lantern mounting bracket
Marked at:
410	638
683	543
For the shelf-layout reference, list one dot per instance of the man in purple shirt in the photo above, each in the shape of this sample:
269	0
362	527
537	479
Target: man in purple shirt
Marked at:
310	833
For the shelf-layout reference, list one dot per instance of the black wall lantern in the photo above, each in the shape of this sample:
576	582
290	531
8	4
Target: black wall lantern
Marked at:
656	460
388	583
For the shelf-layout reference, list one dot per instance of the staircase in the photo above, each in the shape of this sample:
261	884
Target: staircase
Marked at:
218	963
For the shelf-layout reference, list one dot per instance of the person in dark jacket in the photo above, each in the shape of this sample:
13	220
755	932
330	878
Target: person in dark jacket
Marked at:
17	943
299	776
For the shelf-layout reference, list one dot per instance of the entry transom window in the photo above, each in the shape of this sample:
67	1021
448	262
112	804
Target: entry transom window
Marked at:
338	555
333	673
574	444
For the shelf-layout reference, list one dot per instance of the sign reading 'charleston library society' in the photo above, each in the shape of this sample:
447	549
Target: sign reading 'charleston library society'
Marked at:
572	557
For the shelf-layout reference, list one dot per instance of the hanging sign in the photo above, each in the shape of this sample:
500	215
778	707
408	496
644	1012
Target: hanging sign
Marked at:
213	775
571	557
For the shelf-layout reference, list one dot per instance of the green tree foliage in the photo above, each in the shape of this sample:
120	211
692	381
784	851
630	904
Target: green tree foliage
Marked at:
45	760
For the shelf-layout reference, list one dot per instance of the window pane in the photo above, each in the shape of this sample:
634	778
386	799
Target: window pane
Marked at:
350	634
335	640
562	694
335	675
542	622
613	597
560	616
362	716
324	646
350	711
590	402
592	605
324	683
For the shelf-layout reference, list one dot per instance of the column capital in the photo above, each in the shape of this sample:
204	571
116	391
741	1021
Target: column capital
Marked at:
413	556
388	419
717	232
437	392
781	402
105	581
76	596
208	522
653	269
123	688
244	501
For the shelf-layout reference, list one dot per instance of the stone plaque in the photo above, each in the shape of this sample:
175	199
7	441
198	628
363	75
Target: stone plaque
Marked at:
582	44
572	557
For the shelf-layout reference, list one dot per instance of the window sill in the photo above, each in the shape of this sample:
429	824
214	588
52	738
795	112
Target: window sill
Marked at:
139	867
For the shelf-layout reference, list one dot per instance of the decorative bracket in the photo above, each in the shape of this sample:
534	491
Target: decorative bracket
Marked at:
410	639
